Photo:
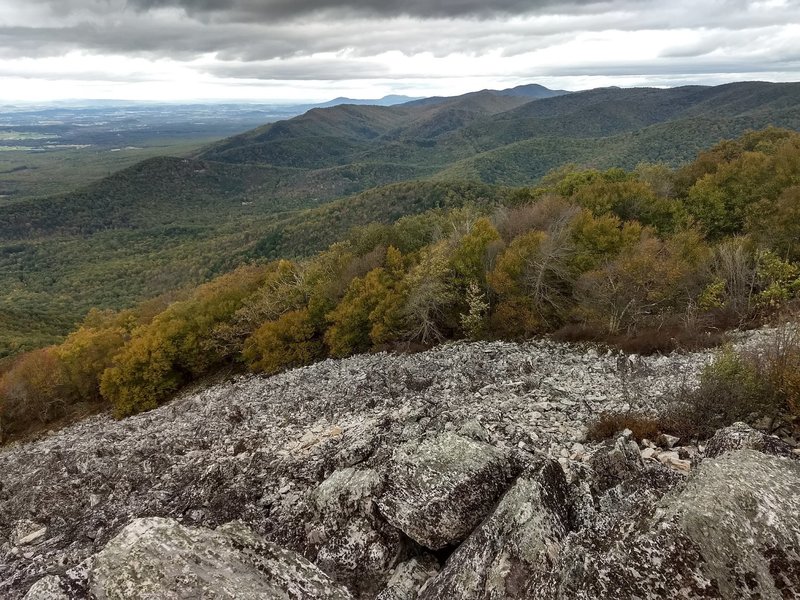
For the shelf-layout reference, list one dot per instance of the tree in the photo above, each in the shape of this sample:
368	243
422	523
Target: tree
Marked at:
475	323
290	341
429	312
642	285
177	345
472	253
364	315
33	391
532	281
776	225
90	350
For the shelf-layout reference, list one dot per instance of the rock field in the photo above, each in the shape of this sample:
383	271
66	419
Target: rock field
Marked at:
460	472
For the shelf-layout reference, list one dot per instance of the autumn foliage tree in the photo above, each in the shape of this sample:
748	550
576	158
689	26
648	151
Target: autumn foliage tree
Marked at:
610	254
177	345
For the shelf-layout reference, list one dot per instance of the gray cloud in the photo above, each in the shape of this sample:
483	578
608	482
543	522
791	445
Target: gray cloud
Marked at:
309	40
234	10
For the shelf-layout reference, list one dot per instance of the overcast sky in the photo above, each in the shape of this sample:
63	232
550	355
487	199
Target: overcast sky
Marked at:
318	49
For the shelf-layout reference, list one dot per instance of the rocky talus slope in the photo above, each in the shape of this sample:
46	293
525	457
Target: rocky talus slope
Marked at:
462	472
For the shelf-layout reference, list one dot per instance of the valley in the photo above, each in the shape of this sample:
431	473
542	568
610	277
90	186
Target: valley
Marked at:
267	193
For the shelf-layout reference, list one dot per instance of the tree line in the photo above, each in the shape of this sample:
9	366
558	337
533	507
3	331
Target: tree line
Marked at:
664	257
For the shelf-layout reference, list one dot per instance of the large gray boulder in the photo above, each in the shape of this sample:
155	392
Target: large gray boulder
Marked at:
440	488
47	588
741	436
732	531
355	546
155	558
512	552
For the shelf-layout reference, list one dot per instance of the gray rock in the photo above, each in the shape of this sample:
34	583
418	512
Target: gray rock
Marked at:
612	466
360	553
667	441
511	553
408	578
158	558
440	488
732	532
673	460
27	532
348	491
740	436
47	588
356	547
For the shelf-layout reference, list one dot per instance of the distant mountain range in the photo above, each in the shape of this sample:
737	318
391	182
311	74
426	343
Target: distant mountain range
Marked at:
390	100
291	187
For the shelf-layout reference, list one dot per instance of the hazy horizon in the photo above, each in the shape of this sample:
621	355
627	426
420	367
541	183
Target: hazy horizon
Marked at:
265	101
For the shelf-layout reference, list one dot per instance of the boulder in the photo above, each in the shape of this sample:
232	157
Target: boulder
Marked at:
356	546
733	531
611	466
47	588
159	558
740	436
512	552
440	488
408	578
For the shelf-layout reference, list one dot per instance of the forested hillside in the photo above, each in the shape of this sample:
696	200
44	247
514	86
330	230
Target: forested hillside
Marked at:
652	259
291	188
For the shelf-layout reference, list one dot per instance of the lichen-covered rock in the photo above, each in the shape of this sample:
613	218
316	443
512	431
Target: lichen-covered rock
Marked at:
732	532
360	553
348	491
408	578
513	551
158	558
47	588
741	436
440	488
613	465
27	532
356	547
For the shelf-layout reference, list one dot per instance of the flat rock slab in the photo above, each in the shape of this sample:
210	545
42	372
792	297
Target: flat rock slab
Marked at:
439	489
158	558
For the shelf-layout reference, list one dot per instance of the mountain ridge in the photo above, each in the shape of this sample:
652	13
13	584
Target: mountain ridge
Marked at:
185	220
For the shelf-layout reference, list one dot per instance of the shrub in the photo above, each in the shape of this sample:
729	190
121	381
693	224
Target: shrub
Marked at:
290	341
34	391
742	386
88	351
178	345
475	322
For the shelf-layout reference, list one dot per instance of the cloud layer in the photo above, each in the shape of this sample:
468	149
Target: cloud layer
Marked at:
315	47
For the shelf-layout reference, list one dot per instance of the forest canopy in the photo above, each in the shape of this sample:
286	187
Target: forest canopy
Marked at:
663	257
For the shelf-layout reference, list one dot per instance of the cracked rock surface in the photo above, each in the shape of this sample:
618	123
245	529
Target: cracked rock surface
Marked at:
463	469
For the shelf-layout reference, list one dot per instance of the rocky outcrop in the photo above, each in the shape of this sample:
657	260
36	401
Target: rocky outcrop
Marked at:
512	552
409	577
440	488
731	532
158	558
741	436
459	472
